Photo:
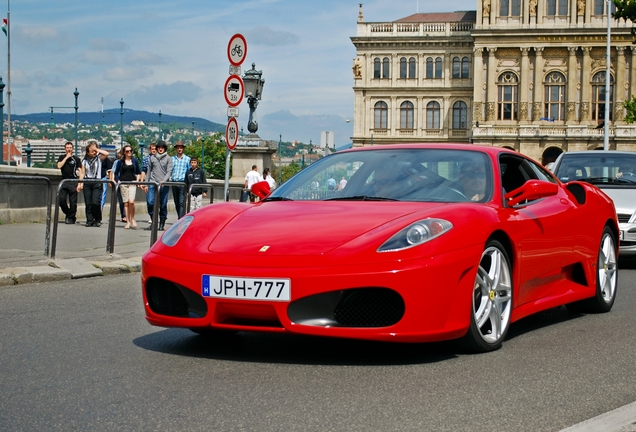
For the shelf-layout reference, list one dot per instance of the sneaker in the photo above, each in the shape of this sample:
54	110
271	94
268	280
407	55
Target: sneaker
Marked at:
150	221
97	224
68	221
89	224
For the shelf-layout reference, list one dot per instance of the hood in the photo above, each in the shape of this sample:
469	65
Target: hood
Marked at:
307	228
624	199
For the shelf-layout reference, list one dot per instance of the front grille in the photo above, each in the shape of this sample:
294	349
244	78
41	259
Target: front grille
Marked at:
167	298
369	307
623	218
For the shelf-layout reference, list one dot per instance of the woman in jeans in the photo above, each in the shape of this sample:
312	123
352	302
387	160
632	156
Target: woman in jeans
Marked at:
128	169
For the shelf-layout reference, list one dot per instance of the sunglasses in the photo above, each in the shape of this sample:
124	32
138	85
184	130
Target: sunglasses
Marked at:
128	151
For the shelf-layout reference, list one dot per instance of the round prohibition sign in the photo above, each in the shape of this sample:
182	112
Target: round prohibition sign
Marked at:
234	90
231	133
237	50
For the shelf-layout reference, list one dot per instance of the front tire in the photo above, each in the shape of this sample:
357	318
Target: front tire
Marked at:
606	279
491	300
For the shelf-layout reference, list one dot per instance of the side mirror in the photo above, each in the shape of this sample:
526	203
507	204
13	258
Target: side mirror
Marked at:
530	191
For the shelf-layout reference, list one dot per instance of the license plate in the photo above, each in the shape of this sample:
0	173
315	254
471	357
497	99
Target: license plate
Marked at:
246	288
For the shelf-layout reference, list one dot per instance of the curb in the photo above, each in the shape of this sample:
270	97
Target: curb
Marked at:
75	268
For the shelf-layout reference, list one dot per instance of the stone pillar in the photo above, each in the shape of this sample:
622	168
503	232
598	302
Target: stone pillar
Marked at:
537	105
491	95
619	86
572	80
244	157
632	81
540	11
524	86
586	89
478	81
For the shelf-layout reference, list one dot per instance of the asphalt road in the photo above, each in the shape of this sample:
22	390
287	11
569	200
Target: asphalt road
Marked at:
78	355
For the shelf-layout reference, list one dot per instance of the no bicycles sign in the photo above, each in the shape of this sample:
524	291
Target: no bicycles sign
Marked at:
237	50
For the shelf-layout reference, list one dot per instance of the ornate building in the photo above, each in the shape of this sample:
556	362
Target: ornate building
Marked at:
524	74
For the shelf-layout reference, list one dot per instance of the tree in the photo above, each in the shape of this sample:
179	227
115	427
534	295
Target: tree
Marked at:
213	155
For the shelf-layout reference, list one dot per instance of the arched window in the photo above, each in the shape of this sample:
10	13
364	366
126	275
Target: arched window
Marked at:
412	69
510	8
457	67
554	96
438	67
377	68
465	67
386	68
557	7
380	115
460	112
432	115
403	67
406	115
429	68
598	96
507	99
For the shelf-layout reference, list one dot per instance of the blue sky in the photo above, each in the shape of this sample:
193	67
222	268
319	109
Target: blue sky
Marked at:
171	56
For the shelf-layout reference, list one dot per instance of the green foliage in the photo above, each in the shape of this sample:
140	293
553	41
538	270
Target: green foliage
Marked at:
630	106
625	9
214	151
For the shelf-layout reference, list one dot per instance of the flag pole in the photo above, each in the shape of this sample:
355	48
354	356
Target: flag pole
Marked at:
8	74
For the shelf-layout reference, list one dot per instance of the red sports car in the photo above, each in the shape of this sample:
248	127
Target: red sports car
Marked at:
424	243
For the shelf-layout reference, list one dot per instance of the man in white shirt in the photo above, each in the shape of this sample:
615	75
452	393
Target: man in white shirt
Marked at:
251	178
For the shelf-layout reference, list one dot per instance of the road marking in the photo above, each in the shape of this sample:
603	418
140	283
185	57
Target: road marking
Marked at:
621	419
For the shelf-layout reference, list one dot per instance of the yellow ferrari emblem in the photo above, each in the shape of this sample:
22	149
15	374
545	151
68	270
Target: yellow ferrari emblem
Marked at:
491	295
264	249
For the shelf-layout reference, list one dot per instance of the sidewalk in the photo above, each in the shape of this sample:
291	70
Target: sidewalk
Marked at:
80	251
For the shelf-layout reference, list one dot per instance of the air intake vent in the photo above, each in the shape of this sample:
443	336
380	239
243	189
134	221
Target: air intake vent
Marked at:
369	307
168	298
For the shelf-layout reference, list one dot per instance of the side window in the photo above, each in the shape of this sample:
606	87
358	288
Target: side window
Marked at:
515	171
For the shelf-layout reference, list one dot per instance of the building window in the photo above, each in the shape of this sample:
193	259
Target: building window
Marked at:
460	112
377	69
432	115
438	67
412	67
507	90
406	115
380	115
510	8
461	67
557	7
429	68
554	96
598	97
386	68
403	66
599	7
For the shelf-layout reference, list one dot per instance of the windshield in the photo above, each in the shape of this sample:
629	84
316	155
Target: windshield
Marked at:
393	175
598	168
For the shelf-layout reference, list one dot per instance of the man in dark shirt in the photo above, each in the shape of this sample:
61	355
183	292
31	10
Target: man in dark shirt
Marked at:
69	165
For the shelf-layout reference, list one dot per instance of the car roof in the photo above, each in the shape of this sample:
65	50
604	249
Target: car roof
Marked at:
599	152
443	146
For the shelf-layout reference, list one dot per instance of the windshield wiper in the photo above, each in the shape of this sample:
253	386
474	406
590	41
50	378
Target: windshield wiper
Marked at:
277	199
361	198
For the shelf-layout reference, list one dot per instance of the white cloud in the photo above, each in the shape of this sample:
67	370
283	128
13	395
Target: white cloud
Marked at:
145	58
98	57
127	73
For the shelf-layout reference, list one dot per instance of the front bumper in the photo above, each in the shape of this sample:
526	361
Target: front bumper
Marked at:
418	300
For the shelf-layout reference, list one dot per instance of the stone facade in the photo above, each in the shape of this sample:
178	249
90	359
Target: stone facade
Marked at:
523	74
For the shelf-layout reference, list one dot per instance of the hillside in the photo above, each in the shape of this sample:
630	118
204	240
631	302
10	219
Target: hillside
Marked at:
113	116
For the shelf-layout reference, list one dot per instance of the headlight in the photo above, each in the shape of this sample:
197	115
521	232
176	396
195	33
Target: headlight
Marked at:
172	236
416	234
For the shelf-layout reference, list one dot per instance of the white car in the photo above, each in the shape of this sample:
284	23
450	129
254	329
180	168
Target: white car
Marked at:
615	173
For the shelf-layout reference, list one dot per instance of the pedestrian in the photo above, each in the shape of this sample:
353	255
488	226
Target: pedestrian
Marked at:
122	209
180	165
342	183
269	179
159	171
128	170
250	178
70	166
195	175
152	149
331	183
92	170
107	167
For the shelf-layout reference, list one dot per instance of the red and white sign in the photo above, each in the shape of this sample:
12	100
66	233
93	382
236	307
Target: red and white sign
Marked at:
237	50
231	133
234	90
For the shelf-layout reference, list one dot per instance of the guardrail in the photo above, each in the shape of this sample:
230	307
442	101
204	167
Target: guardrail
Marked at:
49	196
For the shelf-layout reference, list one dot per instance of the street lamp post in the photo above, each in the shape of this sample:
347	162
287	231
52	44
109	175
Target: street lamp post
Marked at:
607	79
2	121
280	161
160	131
253	82
76	94
28	150
121	124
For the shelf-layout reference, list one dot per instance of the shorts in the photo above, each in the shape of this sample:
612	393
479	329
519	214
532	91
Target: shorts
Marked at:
128	192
